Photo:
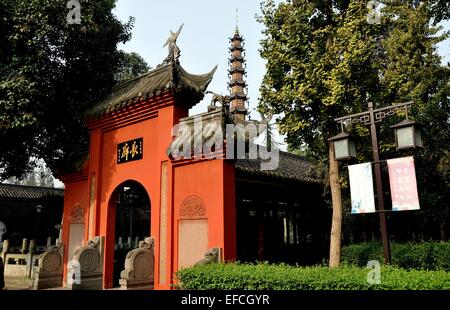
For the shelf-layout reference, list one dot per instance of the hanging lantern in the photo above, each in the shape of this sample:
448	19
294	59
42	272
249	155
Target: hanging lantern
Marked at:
344	146
408	134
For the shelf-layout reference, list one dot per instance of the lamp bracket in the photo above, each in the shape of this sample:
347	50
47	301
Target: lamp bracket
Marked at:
379	114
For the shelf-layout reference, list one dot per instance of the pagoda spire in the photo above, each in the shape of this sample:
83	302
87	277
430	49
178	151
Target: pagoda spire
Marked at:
237	84
237	22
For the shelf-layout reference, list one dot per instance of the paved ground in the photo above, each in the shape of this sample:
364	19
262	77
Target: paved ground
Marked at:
26	284
18	283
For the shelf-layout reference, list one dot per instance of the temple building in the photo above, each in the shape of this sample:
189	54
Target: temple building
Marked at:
29	212
132	183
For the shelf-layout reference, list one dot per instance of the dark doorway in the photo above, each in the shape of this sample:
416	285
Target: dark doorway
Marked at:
132	222
280	222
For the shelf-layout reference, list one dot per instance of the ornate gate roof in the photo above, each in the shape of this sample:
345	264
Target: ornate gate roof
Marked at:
165	77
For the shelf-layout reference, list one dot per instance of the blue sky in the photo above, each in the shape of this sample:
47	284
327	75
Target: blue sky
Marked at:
204	40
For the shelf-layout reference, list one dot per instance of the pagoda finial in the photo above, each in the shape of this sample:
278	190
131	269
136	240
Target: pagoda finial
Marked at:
174	51
237	21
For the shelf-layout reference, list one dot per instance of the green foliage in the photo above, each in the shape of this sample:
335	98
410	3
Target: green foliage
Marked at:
441	10
51	72
324	60
424	255
359	254
131	66
235	276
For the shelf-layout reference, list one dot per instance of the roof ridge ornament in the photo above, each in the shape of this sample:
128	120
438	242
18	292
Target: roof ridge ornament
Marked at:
237	22
174	50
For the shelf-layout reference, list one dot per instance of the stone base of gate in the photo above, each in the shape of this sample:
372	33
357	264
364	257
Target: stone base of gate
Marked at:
138	273
86	268
49	272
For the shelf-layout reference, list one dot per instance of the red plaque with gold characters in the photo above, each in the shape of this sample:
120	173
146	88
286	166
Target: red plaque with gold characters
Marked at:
130	150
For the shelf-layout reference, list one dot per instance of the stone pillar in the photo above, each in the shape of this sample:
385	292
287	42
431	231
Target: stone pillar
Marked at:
32	247
31	251
5	250
24	245
139	267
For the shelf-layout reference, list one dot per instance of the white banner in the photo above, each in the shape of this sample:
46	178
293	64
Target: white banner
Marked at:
361	188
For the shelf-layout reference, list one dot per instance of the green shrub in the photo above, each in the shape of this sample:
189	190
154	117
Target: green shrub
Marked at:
359	254
424	255
236	276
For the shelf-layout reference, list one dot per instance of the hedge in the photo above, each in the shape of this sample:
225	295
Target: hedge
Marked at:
424	255
237	276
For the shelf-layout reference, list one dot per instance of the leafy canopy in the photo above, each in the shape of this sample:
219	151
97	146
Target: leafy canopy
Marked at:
50	73
325	60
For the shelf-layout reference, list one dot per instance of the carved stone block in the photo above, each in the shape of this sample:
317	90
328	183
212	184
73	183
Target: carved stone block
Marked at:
213	255
139	267
49	272
86	268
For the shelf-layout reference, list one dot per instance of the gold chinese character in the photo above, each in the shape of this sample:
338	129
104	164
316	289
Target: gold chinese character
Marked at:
134	149
125	151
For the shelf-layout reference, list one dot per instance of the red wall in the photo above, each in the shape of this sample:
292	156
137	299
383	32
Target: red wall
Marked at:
212	180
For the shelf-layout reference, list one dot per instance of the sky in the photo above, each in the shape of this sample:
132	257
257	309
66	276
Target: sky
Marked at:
204	40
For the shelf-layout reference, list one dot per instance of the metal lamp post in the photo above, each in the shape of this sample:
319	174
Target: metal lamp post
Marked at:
407	135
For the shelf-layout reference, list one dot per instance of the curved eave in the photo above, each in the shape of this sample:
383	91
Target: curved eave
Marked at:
237	37
237	82
238	96
238	109
165	77
236	70
236	58
236	48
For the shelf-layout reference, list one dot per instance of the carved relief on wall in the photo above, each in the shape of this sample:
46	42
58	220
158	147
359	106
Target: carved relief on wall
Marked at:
77	214
192	207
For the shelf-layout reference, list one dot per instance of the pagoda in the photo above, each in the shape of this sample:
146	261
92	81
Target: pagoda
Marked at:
237	84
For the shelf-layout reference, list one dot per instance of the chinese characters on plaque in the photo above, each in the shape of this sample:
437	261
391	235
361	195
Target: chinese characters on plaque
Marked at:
402	177
130	150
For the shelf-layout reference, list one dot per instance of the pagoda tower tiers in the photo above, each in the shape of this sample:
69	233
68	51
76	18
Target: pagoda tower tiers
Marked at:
238	96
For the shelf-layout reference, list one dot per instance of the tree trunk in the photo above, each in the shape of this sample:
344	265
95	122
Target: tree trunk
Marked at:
443	230
336	222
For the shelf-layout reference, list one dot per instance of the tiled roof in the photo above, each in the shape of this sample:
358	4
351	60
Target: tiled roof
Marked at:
290	167
9	191
169	76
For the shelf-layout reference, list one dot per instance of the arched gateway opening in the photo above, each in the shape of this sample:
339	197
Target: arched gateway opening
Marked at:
132	222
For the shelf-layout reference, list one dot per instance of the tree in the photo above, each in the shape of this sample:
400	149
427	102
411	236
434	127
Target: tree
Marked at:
440	10
39	176
324	60
413	71
131	66
51	72
319	65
